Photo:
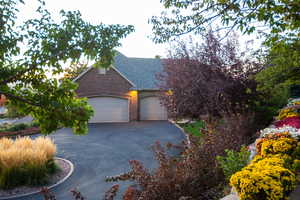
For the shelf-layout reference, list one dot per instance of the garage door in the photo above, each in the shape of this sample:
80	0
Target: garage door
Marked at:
109	109
151	109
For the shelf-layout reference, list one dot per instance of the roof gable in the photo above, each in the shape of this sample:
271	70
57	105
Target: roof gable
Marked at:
139	72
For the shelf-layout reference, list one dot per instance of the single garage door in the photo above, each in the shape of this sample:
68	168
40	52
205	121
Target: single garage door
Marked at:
151	109
109	109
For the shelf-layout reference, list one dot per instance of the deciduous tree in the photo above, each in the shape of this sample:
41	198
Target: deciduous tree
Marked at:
38	47
281	17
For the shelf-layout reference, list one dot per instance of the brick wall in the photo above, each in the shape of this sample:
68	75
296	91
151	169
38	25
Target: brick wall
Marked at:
110	84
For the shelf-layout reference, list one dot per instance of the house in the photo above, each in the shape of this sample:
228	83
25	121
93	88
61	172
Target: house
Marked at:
127	91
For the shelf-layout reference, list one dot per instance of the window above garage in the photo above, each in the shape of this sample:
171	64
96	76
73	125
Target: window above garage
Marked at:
102	70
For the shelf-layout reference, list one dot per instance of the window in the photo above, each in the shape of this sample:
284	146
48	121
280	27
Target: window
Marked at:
102	70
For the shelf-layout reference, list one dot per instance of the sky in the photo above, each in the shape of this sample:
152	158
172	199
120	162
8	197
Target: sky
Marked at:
126	12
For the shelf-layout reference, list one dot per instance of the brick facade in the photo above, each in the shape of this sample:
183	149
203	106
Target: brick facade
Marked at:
112	84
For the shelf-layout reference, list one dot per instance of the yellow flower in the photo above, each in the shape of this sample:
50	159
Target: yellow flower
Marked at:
265	178
287	112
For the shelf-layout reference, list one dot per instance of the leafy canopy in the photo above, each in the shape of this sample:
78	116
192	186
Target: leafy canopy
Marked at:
38	47
277	20
74	70
282	17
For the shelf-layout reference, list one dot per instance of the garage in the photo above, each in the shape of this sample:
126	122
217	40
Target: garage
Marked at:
109	109
151	109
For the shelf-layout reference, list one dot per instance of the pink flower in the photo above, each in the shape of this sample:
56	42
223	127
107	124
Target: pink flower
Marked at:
290	121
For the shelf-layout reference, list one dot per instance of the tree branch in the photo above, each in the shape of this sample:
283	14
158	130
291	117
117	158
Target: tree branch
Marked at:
32	66
12	96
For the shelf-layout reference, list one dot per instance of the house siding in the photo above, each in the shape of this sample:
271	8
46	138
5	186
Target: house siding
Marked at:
110	84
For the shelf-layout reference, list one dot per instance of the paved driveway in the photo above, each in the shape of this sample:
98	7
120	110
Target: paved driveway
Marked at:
105	151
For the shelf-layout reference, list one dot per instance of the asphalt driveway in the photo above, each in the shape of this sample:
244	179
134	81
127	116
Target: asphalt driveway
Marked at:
105	151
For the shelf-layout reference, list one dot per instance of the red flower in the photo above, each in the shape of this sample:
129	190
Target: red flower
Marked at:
290	121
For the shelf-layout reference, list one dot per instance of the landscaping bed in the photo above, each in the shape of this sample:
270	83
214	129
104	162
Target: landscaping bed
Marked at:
18	129
28	165
27	131
65	170
274	171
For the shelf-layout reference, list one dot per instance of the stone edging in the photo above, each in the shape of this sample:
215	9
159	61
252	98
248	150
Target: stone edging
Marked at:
50	187
187	136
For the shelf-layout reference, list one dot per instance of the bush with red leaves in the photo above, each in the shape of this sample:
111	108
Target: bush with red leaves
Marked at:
207	79
289	121
194	175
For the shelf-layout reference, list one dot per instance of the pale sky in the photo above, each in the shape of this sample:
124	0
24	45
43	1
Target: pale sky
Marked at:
126	12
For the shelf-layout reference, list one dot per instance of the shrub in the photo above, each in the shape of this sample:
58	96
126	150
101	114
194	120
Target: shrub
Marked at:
288	112
264	179
207	79
290	121
26	161
195	173
17	127
278	146
233	161
272	173
294	102
285	130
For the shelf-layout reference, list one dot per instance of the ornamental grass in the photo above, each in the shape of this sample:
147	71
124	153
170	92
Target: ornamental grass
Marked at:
26	161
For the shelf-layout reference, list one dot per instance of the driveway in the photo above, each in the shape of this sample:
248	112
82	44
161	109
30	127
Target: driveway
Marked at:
105	151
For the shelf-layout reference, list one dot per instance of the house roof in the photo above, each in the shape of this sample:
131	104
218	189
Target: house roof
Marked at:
141	71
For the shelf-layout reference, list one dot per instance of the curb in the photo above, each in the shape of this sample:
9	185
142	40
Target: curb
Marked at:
187	136
50	187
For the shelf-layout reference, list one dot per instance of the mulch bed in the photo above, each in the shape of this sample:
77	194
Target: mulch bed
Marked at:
64	169
27	131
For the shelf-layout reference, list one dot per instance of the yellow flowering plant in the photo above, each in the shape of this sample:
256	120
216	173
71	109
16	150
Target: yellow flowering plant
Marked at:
279	146
264	178
287	112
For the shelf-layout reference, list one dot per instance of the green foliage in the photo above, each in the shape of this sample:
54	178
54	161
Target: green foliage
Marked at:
28	174
282	71
194	128
29	52
184	16
12	111
17	127
74	70
233	161
13	127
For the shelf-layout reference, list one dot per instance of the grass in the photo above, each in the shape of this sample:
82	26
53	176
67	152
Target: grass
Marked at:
26	161
193	128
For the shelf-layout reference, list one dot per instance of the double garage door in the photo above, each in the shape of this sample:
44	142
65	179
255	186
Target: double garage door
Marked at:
111	109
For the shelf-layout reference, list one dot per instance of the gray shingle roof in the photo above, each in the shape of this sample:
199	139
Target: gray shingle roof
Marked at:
141	71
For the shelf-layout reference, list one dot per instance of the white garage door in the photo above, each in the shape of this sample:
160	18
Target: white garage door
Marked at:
109	109
151	109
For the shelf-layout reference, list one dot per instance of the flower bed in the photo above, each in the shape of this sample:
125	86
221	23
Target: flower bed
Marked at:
272	174
25	161
21	129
